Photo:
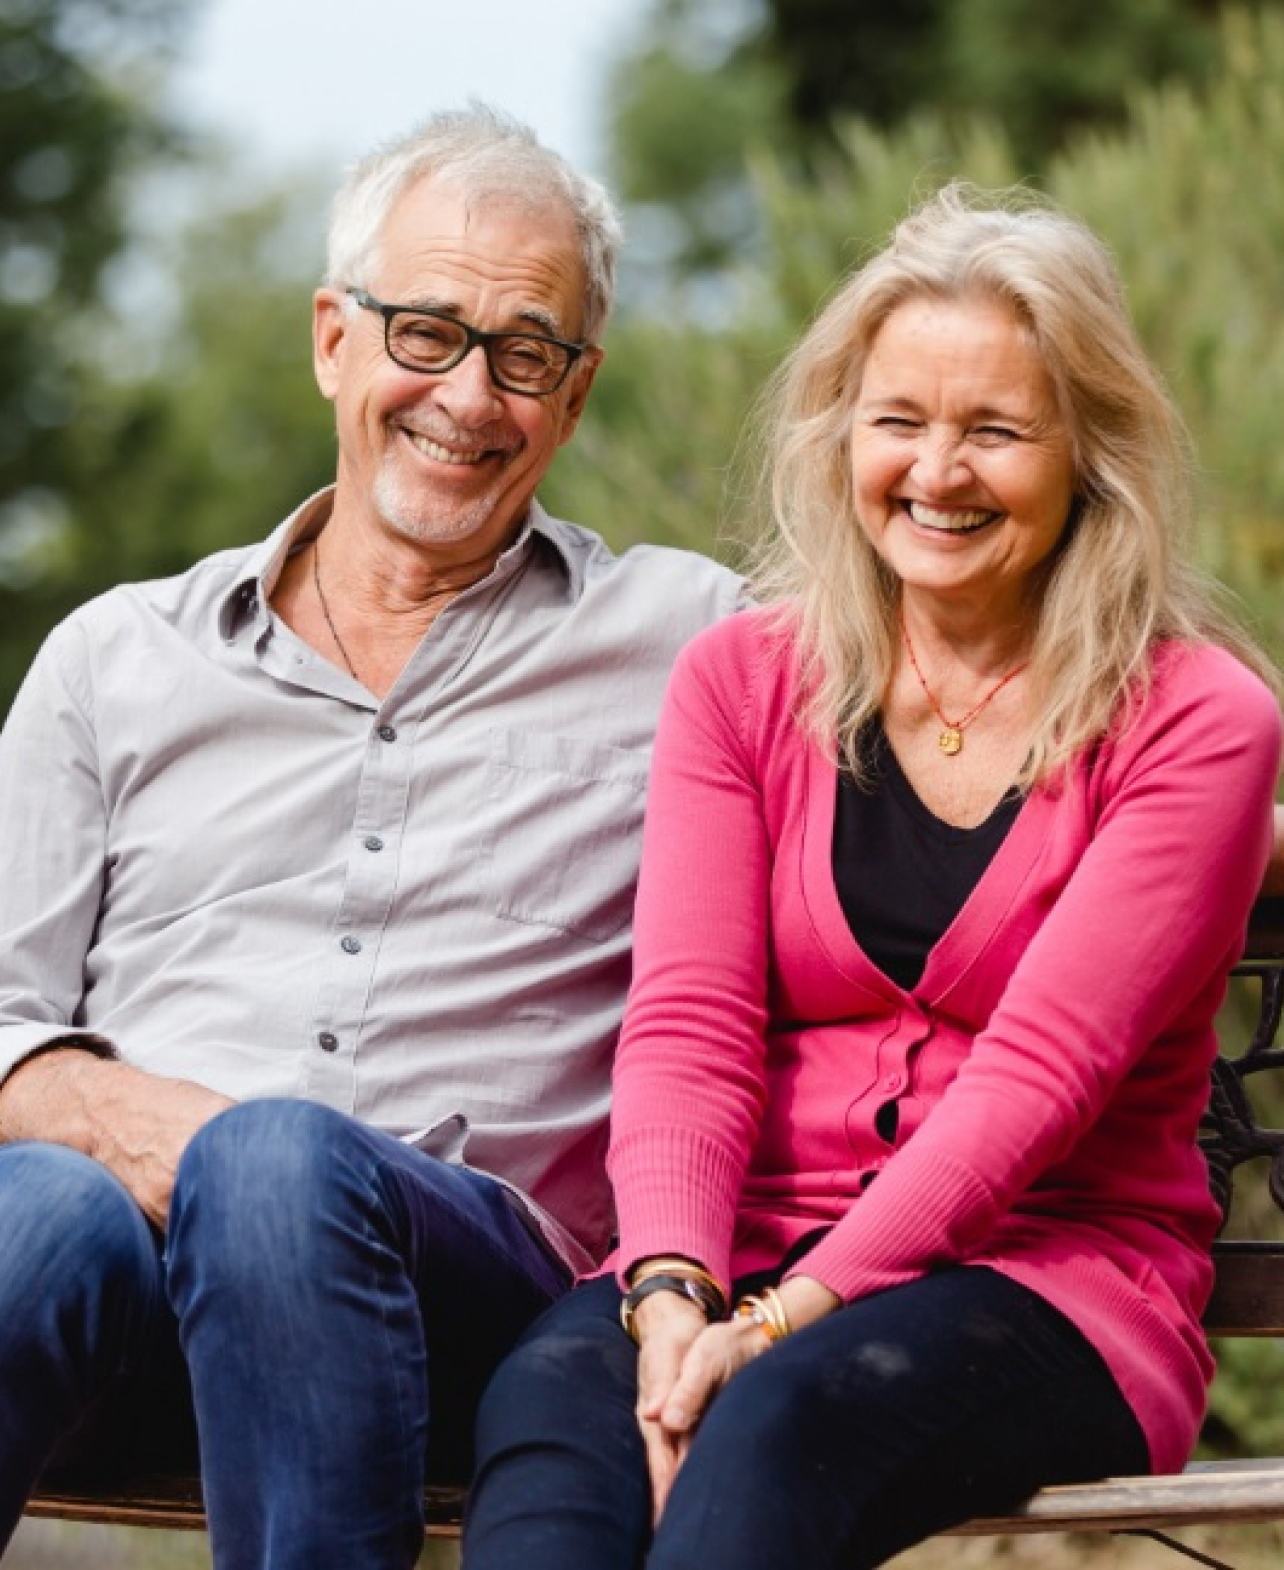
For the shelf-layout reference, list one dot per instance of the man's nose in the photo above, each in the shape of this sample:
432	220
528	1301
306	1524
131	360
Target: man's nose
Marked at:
467	392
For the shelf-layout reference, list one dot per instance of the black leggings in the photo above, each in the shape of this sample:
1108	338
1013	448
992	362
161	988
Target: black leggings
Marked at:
898	1416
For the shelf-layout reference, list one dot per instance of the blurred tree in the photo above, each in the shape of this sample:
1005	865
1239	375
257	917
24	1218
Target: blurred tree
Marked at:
697	90
1043	71
709	81
226	432
858	57
195	432
77	78
1185	193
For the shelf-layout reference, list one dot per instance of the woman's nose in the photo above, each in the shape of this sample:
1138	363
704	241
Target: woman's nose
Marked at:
939	461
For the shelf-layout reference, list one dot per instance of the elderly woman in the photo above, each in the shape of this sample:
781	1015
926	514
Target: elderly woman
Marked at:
949	847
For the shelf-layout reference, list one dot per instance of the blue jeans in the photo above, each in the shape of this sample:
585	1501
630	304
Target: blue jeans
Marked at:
896	1417
323	1285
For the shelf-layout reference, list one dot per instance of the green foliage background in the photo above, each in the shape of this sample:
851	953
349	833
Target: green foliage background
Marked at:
1189	194
141	443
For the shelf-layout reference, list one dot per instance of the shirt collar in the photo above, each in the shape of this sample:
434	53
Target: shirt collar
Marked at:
247	597
567	544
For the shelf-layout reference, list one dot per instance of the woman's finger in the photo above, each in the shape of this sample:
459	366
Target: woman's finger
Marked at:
664	1455
715	1357
667	1325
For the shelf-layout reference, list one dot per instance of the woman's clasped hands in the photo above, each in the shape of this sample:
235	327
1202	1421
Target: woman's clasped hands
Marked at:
684	1361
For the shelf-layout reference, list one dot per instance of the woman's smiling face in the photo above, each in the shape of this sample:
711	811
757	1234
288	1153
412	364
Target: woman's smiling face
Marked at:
962	464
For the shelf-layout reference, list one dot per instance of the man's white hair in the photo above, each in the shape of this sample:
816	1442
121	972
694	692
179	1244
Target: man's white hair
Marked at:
485	154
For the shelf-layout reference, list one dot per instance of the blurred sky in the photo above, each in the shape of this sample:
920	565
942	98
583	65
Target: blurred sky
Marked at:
318	82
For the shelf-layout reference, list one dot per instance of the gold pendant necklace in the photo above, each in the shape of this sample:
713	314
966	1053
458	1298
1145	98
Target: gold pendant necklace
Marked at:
950	741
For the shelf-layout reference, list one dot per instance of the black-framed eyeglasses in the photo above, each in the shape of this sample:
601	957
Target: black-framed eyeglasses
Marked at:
433	342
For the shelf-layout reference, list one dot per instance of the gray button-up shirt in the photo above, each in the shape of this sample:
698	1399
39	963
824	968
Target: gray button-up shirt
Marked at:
225	856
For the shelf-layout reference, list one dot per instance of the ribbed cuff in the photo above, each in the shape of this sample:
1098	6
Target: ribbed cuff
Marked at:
676	1192
892	1235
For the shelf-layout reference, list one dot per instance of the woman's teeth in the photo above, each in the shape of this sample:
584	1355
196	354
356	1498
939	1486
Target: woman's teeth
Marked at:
955	521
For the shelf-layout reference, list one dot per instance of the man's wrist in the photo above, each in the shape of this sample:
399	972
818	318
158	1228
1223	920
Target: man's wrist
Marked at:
90	1046
52	1092
95	1046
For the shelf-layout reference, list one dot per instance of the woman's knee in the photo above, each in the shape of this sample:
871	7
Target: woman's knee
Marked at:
574	1373
561	1474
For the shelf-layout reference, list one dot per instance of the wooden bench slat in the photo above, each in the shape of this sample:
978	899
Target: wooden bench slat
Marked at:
169	1502
1206	1491
1248	1296
175	1502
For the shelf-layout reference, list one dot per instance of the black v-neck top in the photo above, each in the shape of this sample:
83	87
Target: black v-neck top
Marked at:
902	873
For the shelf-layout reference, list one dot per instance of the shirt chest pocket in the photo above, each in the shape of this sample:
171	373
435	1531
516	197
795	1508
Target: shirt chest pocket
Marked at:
565	831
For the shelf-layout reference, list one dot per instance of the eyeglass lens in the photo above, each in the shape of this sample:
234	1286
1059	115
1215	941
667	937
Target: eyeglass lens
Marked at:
436	343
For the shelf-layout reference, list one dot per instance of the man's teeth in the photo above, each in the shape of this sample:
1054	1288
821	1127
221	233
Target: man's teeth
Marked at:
440	454
954	521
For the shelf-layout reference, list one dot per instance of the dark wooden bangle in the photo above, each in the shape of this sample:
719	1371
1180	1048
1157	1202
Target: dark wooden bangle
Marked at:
690	1287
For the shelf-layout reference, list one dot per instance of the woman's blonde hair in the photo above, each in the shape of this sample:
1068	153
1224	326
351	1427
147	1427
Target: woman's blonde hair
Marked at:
1121	578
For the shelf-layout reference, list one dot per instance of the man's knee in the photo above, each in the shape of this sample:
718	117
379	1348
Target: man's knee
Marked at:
257	1189
64	1219
261	1154
58	1206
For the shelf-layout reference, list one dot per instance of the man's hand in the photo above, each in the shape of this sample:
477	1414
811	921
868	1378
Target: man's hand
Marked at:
137	1124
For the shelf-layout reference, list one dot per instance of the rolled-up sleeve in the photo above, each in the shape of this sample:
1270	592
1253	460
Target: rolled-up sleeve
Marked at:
51	850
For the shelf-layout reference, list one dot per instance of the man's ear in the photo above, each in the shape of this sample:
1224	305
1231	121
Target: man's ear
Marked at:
329	329
586	368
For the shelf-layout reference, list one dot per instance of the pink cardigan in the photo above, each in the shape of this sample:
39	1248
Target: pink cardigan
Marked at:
1050	1066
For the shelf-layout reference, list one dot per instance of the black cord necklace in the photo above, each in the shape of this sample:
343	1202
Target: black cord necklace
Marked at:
325	609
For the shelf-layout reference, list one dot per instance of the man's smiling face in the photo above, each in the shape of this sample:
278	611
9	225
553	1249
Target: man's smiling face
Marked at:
451	461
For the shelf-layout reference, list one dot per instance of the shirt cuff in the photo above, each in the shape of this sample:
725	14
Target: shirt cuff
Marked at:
96	1046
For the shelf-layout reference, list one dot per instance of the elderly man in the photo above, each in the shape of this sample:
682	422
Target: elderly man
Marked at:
316	881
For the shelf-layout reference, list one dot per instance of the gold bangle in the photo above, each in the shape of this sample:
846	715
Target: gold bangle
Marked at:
768	1311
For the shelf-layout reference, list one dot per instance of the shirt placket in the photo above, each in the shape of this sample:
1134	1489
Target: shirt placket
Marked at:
365	908
377	840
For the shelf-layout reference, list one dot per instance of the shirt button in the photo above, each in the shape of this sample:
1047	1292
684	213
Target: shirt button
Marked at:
350	945
387	733
328	1041
373	842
